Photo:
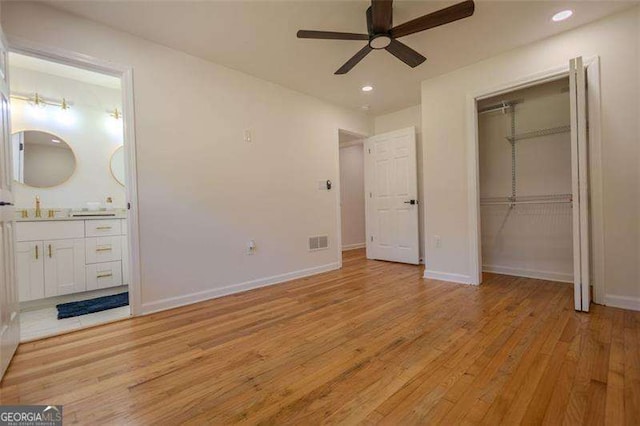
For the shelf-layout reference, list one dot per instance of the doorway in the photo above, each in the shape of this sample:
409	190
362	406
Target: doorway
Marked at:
352	203
540	181
525	182
76	227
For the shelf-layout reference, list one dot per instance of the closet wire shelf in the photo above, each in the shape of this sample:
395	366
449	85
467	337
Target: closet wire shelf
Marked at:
539	133
534	199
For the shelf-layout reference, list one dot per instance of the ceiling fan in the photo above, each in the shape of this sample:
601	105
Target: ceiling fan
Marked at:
383	35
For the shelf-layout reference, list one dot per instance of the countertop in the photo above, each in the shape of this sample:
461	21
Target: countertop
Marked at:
70	215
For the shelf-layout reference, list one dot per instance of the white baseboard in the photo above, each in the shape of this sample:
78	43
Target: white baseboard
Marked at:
446	276
348	247
529	273
188	299
624	302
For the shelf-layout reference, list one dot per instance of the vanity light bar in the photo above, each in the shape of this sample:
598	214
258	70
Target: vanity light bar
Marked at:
38	100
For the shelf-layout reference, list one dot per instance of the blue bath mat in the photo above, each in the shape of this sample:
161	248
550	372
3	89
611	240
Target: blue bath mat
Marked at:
83	307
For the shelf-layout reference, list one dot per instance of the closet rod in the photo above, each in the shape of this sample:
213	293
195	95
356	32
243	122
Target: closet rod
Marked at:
539	133
513	203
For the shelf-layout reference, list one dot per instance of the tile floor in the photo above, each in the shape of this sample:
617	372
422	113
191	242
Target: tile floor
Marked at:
35	324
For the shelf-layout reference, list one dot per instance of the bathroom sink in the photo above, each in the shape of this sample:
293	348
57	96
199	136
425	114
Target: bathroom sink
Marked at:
93	214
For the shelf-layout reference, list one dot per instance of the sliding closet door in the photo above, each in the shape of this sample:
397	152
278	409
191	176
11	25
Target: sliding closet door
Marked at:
580	189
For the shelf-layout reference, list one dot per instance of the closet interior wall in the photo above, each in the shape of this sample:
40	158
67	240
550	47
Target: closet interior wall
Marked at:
525	182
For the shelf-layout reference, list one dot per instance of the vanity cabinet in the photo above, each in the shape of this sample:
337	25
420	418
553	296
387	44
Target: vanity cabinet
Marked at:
57	257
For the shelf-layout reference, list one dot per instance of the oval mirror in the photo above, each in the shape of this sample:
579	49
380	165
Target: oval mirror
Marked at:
41	159
117	165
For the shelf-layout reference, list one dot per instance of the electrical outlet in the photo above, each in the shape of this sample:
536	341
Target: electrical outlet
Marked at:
251	247
438	241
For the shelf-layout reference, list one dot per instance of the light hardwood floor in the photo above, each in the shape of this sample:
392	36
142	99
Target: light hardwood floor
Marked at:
371	343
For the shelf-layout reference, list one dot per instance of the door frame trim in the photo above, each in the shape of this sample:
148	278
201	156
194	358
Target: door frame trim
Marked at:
595	166
125	73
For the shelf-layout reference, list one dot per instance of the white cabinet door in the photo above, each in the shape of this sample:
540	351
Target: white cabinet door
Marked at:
125	260
64	267
391	194
30	270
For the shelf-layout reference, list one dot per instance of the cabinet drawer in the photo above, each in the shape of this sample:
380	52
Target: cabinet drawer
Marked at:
103	249
38	231
98	228
103	275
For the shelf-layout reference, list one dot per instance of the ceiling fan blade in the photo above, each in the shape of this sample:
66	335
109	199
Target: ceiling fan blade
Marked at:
405	53
354	60
382	15
435	19
331	35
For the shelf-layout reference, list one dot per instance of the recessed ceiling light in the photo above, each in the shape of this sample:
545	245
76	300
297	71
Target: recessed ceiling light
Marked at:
55	140
367	88
561	16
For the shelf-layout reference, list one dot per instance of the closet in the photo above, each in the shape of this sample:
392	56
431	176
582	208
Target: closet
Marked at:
526	186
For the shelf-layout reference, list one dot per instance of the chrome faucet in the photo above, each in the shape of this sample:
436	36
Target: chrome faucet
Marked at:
38	211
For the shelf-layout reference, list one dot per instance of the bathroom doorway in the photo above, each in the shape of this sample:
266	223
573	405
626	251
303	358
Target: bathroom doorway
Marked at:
73	192
352	202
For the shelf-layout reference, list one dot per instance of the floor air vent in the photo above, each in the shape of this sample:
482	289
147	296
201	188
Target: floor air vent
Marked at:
318	243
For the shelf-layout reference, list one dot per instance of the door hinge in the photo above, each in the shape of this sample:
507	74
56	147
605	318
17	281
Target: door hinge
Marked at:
370	195
21	146
372	238
128	206
369	150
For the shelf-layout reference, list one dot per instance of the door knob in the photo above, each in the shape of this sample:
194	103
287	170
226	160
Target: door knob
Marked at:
412	202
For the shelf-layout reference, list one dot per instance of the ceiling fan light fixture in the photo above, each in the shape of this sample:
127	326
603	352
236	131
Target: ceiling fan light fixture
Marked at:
562	15
381	34
367	88
380	41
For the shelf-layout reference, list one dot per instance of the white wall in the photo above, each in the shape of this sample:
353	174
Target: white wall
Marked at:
86	127
532	240
352	195
203	191
408	117
445	135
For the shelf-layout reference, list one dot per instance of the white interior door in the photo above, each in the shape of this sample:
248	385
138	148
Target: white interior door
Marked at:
9	308
580	189
391	193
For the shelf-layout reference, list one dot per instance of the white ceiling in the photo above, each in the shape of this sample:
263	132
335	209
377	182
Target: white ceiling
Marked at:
17	60
259	38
